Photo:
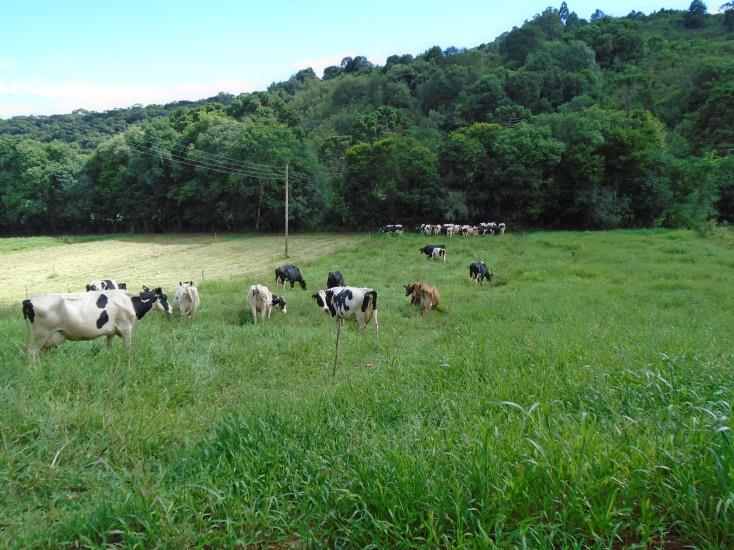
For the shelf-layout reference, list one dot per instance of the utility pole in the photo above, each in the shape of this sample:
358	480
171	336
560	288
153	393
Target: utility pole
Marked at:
286	210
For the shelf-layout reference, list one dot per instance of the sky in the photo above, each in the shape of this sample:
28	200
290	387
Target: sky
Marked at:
58	56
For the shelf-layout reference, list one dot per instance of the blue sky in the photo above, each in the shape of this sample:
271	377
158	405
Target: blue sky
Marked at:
59	56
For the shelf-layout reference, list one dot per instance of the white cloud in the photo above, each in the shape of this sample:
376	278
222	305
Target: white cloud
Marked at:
318	65
65	97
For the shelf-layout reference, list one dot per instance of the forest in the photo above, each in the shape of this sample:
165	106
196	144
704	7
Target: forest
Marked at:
614	122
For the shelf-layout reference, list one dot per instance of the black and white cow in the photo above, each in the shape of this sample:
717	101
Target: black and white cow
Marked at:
105	284
396	228
73	316
428	249
478	271
289	273
335	279
438	253
347	302
501	228
260	299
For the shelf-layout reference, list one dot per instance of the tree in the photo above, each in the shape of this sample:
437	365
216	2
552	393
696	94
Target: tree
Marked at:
695	17
563	13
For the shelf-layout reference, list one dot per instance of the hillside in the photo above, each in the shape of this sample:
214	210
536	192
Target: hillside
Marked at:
563	122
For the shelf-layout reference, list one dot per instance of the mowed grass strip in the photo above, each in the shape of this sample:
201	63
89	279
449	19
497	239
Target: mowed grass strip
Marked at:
45	264
583	399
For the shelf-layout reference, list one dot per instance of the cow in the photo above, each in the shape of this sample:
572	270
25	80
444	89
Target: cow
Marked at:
261	300
438	254
335	278
89	315
186	298
392	228
347	302
106	284
436	229
478	271
289	273
428	249
423	294
501	228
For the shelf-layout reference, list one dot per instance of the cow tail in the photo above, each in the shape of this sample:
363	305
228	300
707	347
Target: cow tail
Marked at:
28	312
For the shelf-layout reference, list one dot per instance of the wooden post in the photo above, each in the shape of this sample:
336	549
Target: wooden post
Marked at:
336	348
286	210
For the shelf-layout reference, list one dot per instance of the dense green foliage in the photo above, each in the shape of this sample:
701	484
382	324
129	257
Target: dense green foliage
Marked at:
583	399
613	122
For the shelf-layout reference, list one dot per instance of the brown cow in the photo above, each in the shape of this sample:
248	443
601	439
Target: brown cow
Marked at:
423	294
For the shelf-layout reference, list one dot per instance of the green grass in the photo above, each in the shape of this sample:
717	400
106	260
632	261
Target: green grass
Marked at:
582	399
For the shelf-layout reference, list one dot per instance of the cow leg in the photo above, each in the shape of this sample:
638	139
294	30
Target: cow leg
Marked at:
270	311
374	318
254	315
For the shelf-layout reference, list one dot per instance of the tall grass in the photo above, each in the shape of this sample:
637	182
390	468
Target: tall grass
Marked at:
582	399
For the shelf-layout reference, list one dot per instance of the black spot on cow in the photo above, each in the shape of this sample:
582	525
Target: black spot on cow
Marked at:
103	318
28	312
102	301
122	286
330	302
341	298
108	284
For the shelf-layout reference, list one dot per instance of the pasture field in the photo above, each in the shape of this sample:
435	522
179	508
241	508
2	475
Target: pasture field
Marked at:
583	399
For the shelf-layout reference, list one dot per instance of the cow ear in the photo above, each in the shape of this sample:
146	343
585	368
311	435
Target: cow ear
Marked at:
146	289
180	283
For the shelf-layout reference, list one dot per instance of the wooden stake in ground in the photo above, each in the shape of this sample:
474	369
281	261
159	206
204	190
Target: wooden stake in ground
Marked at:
336	350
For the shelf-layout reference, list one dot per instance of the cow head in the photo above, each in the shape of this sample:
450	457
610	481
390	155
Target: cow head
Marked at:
279	302
409	289
321	298
156	298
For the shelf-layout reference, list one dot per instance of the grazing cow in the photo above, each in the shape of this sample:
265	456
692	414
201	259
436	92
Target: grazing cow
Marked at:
261	300
335	279
423	294
89	315
501	228
396	228
478	271
436	229
107	284
347	302
426	229
289	273
186	298
438	254
428	249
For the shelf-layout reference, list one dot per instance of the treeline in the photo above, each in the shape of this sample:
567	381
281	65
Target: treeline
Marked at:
567	123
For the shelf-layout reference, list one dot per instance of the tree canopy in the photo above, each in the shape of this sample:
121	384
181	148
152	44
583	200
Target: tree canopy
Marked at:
560	122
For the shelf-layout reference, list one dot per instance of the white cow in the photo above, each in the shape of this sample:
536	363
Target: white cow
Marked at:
89	315
261	300
186	298
347	302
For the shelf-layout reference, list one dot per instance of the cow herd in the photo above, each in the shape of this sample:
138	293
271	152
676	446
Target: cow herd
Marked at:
451	229
108	309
